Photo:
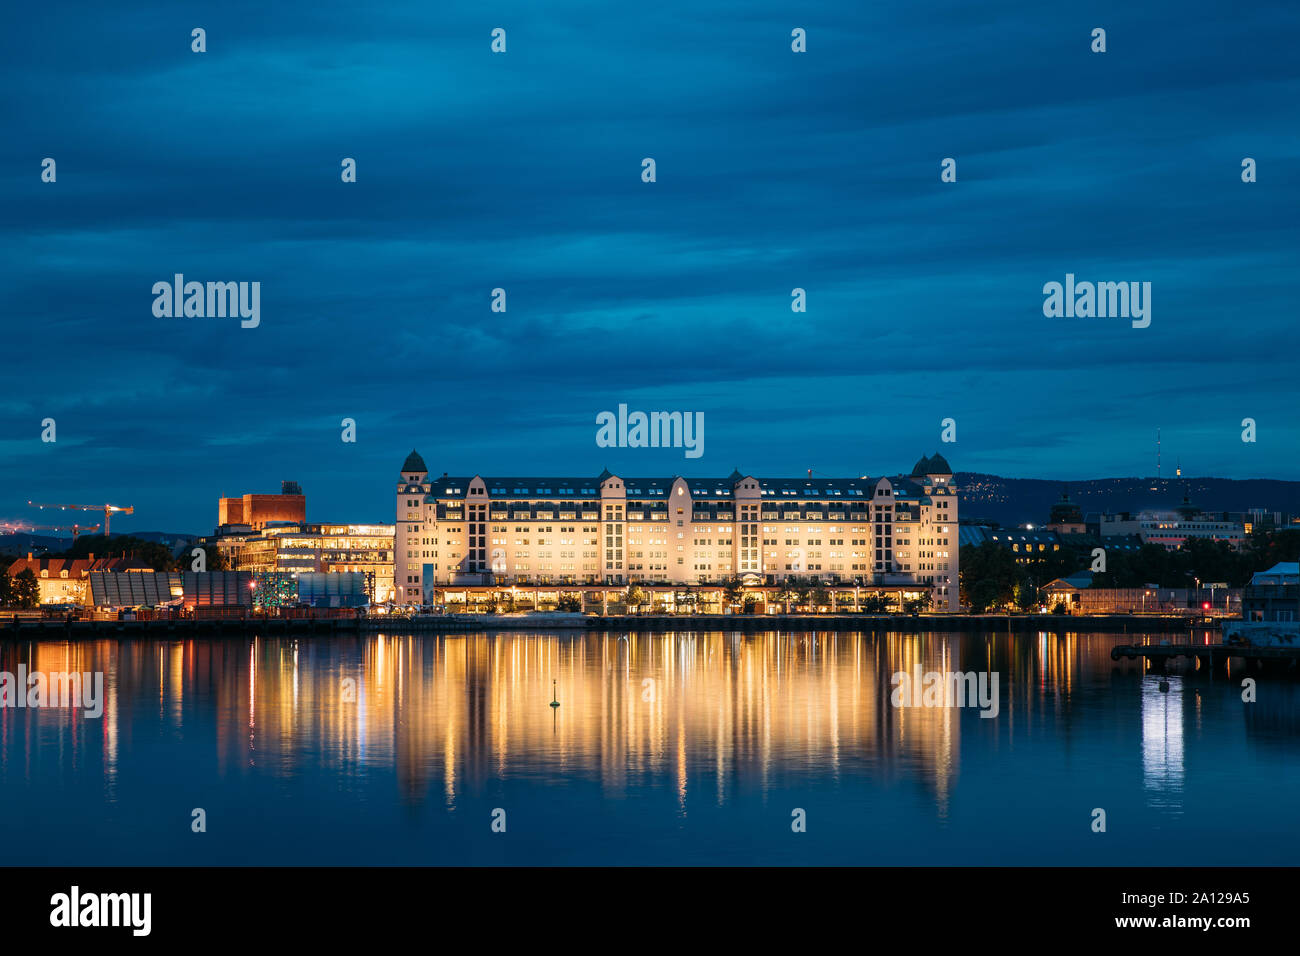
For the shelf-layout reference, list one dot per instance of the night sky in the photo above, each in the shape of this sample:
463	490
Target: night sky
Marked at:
522	170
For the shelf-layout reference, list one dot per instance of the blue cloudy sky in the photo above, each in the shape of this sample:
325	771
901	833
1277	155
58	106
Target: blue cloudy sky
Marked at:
775	170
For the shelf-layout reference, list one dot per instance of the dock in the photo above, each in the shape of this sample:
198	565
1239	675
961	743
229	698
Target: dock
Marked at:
1213	656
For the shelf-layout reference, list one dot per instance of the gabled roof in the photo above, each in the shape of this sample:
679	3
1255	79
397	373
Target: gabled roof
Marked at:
1078	581
76	567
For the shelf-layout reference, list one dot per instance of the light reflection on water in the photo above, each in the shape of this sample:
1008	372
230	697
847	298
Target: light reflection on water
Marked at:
1162	740
686	747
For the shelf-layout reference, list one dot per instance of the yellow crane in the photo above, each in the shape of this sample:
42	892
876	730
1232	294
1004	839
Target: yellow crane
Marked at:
107	509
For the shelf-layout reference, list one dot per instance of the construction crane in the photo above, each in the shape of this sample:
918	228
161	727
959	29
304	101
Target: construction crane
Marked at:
76	529
107	509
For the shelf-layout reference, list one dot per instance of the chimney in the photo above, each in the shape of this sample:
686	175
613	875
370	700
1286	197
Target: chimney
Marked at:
92	557
29	555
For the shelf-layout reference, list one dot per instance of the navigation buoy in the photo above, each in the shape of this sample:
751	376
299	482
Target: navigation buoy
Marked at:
554	702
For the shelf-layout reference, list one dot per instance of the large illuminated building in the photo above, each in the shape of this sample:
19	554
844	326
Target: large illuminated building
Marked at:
611	530
290	548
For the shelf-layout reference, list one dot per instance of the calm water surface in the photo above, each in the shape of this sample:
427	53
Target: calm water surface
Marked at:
686	747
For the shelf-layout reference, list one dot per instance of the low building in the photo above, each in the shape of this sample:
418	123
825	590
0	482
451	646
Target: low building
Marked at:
338	589
1067	590
115	590
188	589
1079	597
64	580
1273	595
226	590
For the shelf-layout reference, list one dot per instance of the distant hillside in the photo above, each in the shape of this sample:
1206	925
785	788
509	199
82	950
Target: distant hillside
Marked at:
22	542
169	538
1013	501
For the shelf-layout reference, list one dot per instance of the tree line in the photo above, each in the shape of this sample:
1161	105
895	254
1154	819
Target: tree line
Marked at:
991	577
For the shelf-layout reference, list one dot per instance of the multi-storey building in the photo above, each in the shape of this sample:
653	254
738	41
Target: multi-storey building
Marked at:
612	530
291	548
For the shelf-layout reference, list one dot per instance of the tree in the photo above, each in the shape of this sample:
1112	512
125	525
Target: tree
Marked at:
6	586
983	595
570	602
26	589
786	593
875	604
1026	591
214	559
918	604
634	598
751	603
820	597
733	590
1263	549
988	576
156	555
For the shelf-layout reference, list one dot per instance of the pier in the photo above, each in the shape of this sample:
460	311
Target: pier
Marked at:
1213	656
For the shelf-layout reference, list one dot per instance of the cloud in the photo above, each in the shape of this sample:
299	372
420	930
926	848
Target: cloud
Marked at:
522	171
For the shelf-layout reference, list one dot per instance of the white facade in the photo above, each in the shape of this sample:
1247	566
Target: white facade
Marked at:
612	530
